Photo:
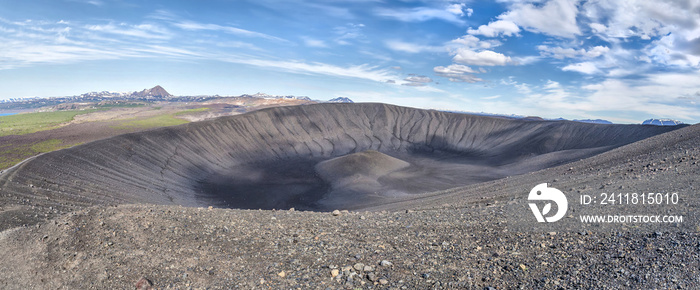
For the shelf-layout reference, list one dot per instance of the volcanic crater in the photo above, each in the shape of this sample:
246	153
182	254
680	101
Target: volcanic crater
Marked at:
311	157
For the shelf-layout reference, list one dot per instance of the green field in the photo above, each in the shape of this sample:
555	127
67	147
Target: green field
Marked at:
190	111
120	105
158	121
12	154
152	122
21	124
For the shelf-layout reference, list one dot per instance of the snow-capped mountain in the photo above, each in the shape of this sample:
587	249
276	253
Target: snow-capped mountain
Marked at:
106	94
662	122
156	92
340	100
266	96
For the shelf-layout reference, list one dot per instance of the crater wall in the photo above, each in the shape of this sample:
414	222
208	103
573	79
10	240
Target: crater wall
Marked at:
268	158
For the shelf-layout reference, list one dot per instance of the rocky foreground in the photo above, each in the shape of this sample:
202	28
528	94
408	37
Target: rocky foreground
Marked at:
177	248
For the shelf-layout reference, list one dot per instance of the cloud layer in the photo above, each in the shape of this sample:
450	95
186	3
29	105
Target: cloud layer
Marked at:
625	60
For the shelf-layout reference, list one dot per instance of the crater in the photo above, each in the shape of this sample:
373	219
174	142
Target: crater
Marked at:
311	157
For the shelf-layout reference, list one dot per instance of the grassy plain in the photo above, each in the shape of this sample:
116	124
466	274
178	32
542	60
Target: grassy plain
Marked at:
11	154
21	124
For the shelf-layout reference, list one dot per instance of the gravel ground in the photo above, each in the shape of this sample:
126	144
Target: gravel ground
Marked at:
178	248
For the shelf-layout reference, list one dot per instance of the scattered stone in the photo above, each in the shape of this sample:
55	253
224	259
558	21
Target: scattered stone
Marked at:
385	263
336	213
383	281
359	266
282	274
368	268
372	277
334	273
144	284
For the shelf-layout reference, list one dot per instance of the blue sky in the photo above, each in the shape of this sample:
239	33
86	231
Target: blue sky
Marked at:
623	61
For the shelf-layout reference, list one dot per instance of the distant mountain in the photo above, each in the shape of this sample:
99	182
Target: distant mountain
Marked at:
662	122
105	94
266	96
156	92
532	118
596	121
340	100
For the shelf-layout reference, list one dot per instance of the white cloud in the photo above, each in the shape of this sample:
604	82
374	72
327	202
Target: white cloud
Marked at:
417	81
430	89
471	41
481	58
457	9
598	28
35	42
398	45
312	42
561	53
422	14
675	50
454	68
148	31
525	60
555	17
658	95
496	28
16	54
672	27
195	26
364	71
91	2
641	18
596	51
583	67
349	32
457	73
